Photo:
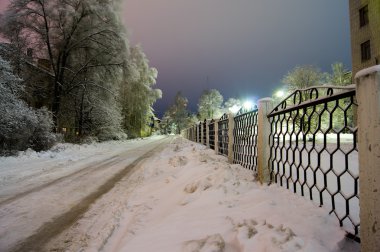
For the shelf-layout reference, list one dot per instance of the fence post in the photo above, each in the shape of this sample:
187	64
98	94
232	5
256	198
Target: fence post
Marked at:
207	134
197	126
195	133
265	106
231	126
191	133
368	97
216	136
201	140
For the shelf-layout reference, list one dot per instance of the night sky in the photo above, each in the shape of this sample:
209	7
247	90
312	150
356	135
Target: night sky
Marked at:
243	48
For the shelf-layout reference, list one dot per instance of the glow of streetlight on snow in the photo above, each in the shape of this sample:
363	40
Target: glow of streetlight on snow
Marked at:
248	105
234	109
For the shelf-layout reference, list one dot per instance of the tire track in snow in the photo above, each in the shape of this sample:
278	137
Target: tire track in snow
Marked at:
89	168
52	228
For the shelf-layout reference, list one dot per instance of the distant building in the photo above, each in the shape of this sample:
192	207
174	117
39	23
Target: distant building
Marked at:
365	33
34	72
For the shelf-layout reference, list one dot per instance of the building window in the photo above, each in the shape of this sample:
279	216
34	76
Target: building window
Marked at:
363	14
366	50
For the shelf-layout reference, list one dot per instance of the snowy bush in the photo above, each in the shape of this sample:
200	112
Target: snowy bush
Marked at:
43	138
111	134
17	123
21	127
89	140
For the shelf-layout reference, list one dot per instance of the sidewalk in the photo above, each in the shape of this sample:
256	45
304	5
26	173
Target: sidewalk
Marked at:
190	199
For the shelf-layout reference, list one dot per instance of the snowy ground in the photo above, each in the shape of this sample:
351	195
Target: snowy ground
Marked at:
186	198
42	193
192	200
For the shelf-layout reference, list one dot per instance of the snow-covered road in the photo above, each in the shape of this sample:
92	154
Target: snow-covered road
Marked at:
183	197
43	194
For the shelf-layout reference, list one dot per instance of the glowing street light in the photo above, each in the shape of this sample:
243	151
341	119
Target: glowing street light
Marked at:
248	105
280	94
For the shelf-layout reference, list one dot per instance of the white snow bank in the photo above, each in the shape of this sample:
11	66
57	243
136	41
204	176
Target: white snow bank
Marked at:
191	200
68	150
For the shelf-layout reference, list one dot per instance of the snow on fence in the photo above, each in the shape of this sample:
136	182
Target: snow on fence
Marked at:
317	143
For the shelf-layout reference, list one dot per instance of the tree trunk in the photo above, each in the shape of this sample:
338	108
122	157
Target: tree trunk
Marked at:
80	126
56	103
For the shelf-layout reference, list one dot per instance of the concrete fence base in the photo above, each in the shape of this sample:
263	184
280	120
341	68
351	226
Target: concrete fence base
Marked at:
368	97
263	148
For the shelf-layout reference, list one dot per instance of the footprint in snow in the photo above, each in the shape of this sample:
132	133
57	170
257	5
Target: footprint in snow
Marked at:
202	185
177	148
214	243
245	227
178	161
282	237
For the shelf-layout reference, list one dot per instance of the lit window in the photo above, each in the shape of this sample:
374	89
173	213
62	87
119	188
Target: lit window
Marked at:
363	14
366	50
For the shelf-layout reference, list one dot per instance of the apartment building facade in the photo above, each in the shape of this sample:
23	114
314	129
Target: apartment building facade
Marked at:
365	33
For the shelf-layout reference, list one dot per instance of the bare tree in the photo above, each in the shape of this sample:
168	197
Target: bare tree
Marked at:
78	37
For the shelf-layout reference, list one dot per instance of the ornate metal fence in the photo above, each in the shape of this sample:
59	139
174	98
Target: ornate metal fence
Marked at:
314	153
204	132
223	135
245	139
211	133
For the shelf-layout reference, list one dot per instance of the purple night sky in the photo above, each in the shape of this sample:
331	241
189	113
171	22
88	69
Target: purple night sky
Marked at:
243	48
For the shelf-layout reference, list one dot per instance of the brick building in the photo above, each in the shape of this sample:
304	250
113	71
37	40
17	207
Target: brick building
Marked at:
365	33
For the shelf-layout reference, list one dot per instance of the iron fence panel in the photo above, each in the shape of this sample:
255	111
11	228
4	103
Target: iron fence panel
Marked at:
199	138
313	150
211	134
223	135
191	137
245	139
